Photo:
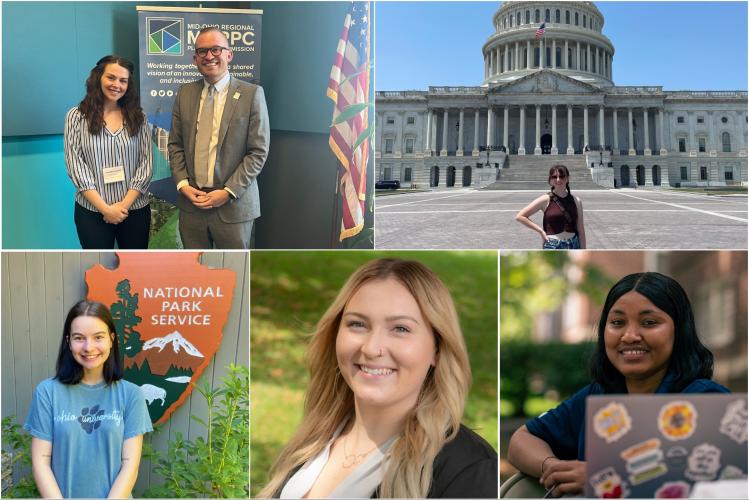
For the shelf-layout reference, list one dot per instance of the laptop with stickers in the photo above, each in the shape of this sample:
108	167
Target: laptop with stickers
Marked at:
658	446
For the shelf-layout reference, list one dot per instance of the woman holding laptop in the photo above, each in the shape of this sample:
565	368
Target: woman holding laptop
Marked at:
647	344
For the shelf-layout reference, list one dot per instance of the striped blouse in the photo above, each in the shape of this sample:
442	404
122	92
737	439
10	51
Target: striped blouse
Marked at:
86	156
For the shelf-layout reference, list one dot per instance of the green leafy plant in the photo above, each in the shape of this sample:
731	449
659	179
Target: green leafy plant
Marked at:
216	466
18	454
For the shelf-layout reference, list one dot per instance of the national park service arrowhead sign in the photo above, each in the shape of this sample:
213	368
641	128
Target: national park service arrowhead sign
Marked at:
170	312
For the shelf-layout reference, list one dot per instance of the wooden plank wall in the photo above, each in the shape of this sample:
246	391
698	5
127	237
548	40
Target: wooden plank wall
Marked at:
38	289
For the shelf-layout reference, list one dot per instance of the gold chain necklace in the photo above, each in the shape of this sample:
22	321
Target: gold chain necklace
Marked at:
350	460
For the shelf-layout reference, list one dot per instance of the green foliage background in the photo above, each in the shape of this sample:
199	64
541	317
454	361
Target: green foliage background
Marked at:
289	293
532	283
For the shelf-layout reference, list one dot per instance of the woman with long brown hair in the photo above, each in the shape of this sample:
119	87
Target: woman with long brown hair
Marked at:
108	158
563	226
389	378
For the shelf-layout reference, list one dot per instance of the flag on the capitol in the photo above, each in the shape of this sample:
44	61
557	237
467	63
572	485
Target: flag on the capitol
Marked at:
540	31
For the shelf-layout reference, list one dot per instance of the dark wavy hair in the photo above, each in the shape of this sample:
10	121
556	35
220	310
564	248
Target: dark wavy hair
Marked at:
92	105
562	169
68	369
690	359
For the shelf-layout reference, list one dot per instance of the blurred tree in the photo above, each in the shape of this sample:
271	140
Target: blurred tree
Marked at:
530	282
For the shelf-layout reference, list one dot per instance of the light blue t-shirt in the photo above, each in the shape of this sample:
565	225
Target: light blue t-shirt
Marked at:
87	425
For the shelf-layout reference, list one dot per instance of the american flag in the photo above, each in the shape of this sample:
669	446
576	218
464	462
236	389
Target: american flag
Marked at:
540	31
349	133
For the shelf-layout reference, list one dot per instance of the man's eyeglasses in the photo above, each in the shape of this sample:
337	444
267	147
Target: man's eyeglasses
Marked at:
215	51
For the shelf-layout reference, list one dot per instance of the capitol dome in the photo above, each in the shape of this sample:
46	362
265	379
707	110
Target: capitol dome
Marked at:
573	43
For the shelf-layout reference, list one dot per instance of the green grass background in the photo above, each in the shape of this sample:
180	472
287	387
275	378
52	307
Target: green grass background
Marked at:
289	293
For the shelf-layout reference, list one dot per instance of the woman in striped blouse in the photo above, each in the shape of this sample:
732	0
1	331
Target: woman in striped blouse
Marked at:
108	158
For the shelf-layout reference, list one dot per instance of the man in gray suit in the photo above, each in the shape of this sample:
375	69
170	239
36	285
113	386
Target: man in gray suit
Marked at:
217	147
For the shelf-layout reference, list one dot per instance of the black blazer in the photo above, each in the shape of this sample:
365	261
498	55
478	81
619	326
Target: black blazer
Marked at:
466	467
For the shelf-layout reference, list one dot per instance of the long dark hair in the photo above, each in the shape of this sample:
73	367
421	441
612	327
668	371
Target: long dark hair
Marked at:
690	359
68	369
559	169
92	106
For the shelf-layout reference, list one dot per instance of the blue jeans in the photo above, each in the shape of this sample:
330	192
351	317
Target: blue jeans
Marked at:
570	244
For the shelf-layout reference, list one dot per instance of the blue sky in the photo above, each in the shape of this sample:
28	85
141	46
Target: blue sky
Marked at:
677	45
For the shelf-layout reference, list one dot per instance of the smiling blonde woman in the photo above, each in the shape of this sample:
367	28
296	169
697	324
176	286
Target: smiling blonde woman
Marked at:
389	378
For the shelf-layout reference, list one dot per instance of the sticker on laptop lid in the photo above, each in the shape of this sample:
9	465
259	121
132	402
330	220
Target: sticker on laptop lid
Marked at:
733	423
673	489
644	461
677	456
703	463
612	422
608	484
677	420
732	472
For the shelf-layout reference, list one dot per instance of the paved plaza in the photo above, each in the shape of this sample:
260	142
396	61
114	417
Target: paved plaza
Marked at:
614	219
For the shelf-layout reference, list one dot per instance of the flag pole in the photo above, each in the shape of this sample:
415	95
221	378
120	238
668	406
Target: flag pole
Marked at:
335	211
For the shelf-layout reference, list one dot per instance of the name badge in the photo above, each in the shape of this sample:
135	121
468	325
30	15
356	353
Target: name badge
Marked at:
236	96
114	174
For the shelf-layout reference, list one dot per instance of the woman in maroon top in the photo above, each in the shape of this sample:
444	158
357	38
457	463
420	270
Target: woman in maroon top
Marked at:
563	214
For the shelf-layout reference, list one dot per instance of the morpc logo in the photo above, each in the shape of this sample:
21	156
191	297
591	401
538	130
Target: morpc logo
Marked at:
165	36
170	311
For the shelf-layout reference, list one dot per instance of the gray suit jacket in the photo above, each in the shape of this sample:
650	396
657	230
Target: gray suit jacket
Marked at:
243	141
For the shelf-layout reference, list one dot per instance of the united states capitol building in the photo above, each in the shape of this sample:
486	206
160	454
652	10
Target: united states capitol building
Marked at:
553	100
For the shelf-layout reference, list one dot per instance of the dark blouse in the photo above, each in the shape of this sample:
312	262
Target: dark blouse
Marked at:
563	428
554	220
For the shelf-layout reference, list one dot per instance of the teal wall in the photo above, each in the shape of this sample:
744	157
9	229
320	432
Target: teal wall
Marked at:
37	194
299	42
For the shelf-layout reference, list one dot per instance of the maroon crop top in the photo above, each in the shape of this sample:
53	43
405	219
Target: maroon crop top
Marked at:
555	221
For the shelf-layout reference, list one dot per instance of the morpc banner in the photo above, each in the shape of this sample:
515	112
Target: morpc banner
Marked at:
166	44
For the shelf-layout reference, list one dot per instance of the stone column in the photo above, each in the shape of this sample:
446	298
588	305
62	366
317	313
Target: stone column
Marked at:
378	129
616	132
428	135
554	54
646	131
589	68
498	65
521	149
505	131
433	133
711	139
565	64
507	57
443	151
601	129
459	152
577	63
537	150
631	143
570	147
661	141
739	136
398	142
692	141
528	54
486	66
554	149
598	62
490	127
475	151
611	69
585	127
517	56
541	53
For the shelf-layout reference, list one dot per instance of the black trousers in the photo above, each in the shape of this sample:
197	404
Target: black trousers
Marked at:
95	233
